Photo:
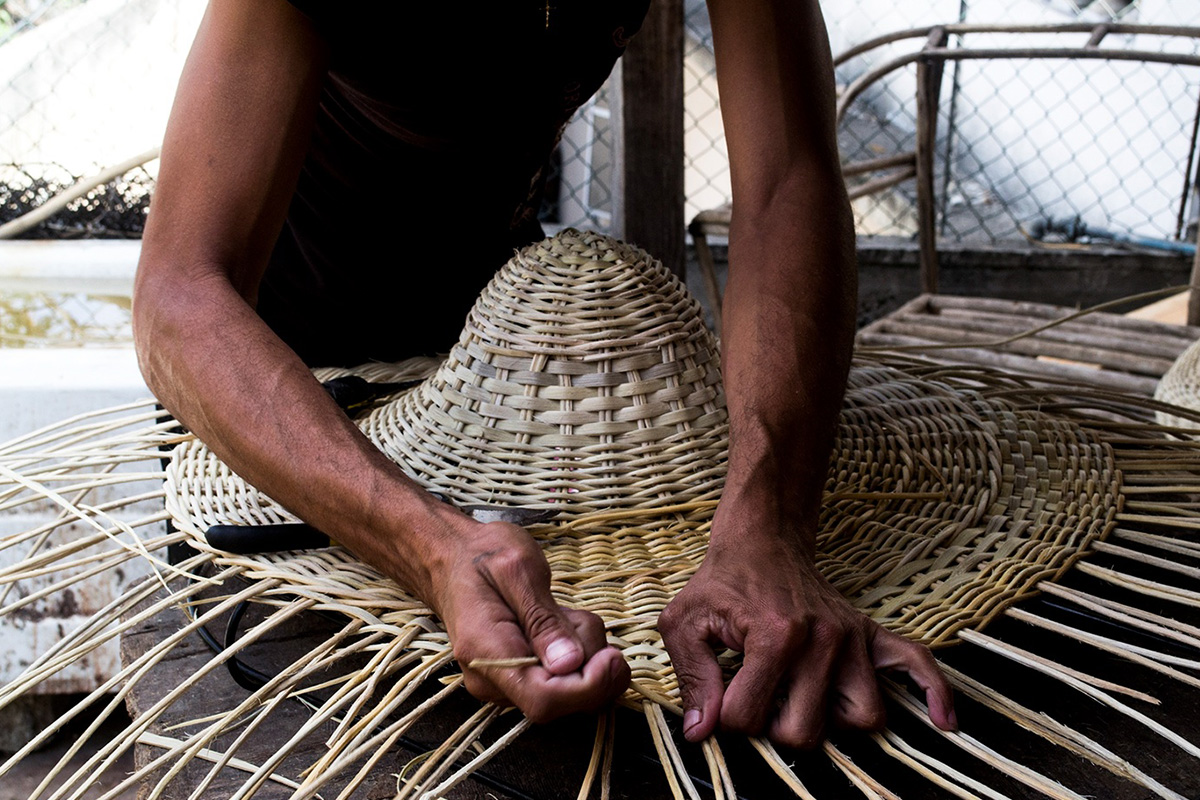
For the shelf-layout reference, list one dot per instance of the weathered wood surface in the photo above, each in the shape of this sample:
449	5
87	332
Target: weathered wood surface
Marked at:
1173	309
929	90
1104	350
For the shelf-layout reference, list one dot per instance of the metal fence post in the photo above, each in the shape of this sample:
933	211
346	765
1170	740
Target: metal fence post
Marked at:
929	86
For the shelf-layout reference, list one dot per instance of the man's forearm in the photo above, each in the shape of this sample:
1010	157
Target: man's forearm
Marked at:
789	317
789	303
260	409
789	325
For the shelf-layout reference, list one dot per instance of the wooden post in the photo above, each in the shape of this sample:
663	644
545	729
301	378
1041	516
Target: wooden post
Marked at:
929	89
652	131
1193	310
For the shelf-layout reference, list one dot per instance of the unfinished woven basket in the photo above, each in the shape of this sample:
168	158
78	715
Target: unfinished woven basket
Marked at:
584	383
585	370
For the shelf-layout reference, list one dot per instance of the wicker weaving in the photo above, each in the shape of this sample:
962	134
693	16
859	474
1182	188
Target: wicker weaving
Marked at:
954	496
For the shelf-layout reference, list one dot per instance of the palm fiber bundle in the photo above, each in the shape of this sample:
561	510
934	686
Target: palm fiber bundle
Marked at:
958	501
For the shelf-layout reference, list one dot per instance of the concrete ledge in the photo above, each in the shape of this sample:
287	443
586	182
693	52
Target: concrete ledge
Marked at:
81	371
103	267
889	274
40	386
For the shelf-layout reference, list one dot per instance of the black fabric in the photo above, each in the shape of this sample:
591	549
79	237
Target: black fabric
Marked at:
424	169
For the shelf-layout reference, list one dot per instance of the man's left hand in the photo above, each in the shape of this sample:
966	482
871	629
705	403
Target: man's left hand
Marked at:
809	657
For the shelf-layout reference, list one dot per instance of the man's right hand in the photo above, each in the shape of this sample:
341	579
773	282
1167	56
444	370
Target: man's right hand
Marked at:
492	591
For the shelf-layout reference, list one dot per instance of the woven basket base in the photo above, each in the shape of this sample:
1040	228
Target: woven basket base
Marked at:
946	483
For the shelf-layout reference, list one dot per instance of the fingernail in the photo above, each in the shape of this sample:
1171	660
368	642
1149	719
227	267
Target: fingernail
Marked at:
559	650
691	719
953	721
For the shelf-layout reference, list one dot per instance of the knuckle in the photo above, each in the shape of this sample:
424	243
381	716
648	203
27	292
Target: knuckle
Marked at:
921	657
482	690
741	720
689	680
866	719
806	735
593	626
827	634
911	650
465	652
669	619
516	563
925	655
537	710
786	629
807	739
541	620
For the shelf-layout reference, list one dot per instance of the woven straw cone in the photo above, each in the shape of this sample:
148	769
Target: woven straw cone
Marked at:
1180	386
584	379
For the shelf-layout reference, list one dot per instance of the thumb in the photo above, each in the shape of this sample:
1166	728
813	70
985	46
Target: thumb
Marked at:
524	584
701	683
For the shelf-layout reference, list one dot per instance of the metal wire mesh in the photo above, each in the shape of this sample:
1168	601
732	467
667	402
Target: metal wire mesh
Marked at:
1020	142
84	85
1106	142
63	319
115	210
582	195
706	174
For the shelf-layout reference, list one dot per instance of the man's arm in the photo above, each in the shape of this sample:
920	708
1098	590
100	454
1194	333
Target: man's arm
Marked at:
232	154
789	321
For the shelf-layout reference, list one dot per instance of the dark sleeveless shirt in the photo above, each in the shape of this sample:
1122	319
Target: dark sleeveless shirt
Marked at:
424	169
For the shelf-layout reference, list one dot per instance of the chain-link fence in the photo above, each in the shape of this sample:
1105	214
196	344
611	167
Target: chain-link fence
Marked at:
1025	147
68	69
84	85
65	319
68	65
